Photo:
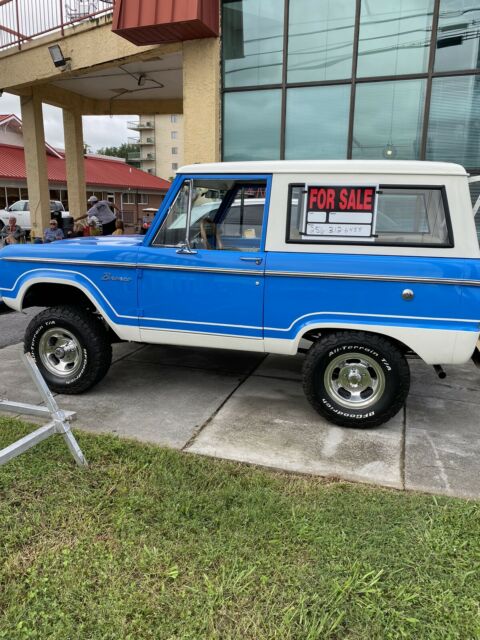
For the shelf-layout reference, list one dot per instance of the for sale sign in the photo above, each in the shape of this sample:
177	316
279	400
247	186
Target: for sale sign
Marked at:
343	212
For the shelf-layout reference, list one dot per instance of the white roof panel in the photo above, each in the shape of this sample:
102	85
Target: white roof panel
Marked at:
404	167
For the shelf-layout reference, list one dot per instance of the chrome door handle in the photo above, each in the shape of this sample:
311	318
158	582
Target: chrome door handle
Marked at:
255	260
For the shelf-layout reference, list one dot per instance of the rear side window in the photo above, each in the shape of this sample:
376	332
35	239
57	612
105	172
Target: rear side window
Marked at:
404	215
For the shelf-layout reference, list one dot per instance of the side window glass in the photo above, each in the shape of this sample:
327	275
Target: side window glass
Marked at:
172	231
226	215
411	216
405	216
239	226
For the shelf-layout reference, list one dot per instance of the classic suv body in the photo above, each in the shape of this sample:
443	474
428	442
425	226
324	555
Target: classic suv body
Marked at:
247	276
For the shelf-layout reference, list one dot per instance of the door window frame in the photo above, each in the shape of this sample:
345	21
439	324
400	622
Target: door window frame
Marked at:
179	182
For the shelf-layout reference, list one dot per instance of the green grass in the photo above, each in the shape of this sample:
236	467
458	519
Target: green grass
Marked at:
150	543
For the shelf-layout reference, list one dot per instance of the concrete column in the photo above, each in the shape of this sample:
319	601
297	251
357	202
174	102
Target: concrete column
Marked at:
72	123
36	162
201	100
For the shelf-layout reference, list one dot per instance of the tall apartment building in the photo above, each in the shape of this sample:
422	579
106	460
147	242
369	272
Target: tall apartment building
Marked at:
161	144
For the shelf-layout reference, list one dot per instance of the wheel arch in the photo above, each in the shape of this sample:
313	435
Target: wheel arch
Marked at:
313	334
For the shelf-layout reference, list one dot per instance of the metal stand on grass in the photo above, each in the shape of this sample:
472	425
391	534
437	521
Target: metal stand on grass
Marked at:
59	423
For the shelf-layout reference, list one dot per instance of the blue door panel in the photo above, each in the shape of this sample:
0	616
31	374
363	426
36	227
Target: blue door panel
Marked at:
368	300
210	291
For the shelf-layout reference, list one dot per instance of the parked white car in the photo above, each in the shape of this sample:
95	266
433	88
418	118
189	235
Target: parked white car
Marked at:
21	211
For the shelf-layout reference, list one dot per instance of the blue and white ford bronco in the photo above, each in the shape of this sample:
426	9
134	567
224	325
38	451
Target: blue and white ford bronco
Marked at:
356	264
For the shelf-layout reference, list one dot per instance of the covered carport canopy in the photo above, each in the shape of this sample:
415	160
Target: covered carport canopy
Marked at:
105	74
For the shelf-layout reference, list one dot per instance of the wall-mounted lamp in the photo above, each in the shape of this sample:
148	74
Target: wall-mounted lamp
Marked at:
58	58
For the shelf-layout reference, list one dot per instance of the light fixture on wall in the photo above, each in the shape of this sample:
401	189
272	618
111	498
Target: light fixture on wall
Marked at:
58	58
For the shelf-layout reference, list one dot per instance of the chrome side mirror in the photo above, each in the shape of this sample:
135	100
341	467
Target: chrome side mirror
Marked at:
185	249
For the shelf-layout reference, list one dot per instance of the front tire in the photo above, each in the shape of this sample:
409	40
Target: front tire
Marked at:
356	379
70	347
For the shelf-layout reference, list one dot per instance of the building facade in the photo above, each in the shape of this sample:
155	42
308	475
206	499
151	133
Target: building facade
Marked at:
160	141
370	79
253	80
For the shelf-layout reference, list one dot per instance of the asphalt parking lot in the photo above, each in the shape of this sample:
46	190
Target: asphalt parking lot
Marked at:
251	408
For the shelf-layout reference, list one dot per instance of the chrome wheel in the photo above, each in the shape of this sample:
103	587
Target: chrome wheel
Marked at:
60	352
354	380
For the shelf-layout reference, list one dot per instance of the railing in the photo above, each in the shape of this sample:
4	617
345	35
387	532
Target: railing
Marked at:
22	21
138	126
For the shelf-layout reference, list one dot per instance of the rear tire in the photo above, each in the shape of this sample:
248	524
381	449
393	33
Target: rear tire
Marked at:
356	379
71	348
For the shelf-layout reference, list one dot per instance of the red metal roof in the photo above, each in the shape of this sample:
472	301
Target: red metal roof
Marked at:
98	171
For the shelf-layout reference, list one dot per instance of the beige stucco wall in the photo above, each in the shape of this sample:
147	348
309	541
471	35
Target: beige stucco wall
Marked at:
201	100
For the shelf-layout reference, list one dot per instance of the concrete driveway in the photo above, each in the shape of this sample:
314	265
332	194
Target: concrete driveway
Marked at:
251	408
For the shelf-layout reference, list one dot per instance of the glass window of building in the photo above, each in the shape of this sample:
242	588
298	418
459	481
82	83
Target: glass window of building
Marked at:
454	130
251	125
317	122
252	42
394	37
320	40
388	119
458	35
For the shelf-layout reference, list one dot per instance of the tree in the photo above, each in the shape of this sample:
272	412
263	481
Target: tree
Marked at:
122	151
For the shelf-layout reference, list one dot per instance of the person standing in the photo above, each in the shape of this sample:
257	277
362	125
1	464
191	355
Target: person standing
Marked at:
101	209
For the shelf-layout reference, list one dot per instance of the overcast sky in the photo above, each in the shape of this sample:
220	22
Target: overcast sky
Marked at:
98	131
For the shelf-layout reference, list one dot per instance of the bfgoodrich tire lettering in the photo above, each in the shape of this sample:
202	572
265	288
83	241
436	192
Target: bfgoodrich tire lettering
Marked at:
70	347
356	379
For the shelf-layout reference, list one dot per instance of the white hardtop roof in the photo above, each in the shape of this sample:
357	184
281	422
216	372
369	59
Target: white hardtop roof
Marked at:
330	166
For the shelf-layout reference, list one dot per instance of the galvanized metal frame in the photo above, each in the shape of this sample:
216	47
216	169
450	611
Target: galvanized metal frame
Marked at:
59	423
284	85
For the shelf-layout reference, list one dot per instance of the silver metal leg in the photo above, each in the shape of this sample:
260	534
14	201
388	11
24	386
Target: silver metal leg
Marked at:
59	419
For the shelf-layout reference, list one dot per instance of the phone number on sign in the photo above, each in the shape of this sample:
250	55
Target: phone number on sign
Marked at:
352	230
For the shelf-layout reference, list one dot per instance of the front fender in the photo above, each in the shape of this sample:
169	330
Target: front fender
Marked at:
125	326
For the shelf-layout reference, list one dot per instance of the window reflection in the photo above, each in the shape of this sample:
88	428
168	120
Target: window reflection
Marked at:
252	125
454	124
458	35
320	41
252	42
388	120
317	122
394	37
